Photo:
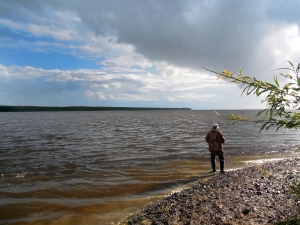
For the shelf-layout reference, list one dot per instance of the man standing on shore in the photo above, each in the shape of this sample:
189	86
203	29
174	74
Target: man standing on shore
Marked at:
215	139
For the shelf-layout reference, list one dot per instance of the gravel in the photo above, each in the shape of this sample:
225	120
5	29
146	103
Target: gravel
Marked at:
259	194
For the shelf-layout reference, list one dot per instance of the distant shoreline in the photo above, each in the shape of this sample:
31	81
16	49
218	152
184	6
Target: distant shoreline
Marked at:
77	108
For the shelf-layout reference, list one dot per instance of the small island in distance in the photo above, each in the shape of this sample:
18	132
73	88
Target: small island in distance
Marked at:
76	108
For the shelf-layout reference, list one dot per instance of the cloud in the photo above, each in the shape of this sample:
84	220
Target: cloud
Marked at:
124	85
91	94
127	61
149	50
39	30
214	34
282	41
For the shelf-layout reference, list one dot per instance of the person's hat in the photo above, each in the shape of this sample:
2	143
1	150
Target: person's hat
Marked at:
215	126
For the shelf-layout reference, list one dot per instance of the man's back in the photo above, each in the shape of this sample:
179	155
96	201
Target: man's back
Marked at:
215	138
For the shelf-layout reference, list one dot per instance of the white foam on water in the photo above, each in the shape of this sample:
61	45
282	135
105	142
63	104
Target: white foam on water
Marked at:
260	161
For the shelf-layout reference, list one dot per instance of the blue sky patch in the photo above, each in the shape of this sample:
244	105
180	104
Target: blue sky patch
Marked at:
46	61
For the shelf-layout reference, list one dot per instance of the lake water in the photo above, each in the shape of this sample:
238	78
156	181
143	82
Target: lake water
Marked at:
98	167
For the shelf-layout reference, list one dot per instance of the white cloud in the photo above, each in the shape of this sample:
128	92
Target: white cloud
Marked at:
184	85
127	61
59	33
67	35
100	95
97	94
194	97
282	43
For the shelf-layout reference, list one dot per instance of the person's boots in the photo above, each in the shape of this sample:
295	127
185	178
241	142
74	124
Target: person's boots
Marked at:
222	166
213	165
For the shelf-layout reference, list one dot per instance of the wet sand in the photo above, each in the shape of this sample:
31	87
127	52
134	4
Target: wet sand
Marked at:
258	194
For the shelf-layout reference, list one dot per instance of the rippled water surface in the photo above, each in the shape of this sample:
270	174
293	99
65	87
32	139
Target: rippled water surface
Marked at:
97	167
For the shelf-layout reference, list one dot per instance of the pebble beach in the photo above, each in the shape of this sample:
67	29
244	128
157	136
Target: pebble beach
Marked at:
258	194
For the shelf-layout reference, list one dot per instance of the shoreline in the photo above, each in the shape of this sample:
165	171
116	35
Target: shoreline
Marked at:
257	194
4	108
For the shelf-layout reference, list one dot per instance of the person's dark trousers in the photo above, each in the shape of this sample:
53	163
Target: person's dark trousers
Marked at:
213	162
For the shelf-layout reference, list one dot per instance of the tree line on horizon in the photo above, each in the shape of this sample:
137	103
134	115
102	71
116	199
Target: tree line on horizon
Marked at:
76	108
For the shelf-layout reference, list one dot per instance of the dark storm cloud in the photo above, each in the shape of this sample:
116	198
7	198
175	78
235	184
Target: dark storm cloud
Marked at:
214	34
217	36
284	11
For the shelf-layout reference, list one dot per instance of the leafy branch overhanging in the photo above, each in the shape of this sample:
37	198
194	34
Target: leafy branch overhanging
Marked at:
282	103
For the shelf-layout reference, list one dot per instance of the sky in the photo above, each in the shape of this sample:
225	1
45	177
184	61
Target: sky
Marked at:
142	53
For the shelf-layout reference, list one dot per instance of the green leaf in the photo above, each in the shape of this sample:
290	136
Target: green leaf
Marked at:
287	76
279	127
284	69
264	83
291	64
298	68
260	112
263	126
299	81
270	125
287	86
218	114
259	93
244	90
273	87
256	93
276	81
250	91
